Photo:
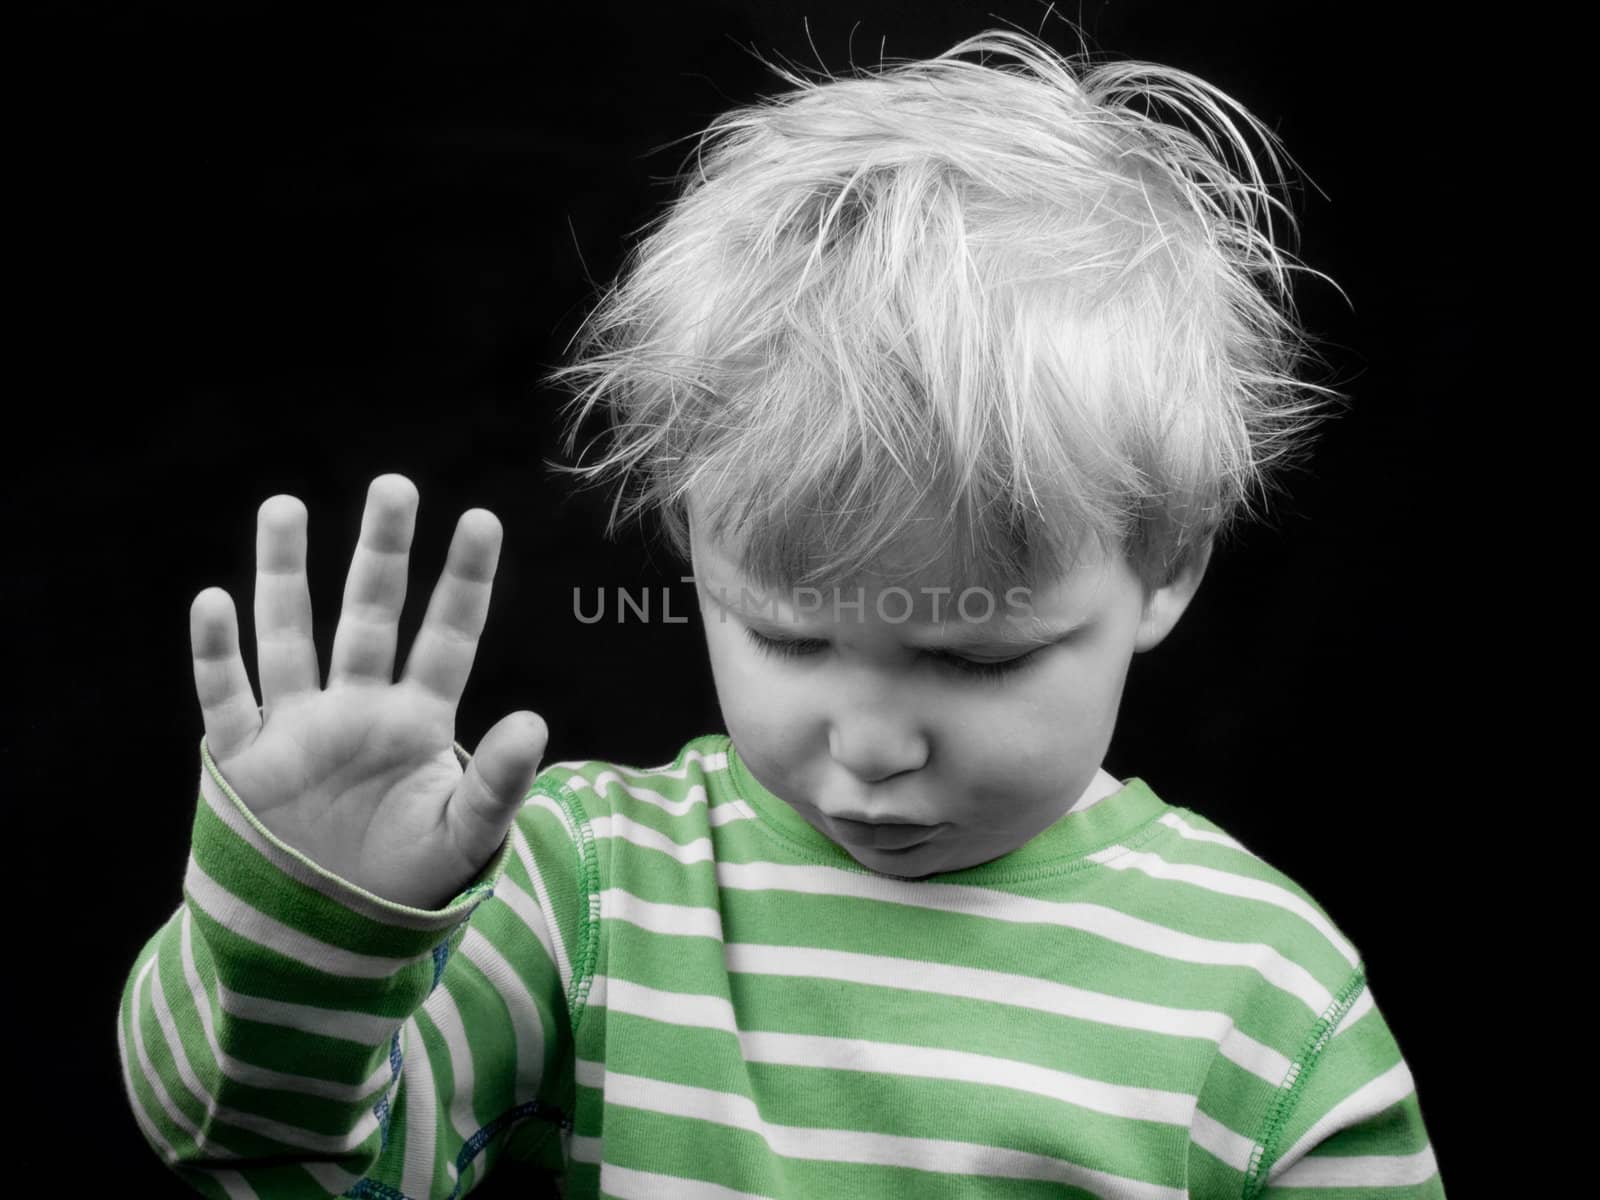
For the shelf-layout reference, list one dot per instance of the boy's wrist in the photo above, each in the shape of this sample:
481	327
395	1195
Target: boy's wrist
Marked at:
254	867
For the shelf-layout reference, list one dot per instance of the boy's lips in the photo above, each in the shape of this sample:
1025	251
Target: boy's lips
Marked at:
883	835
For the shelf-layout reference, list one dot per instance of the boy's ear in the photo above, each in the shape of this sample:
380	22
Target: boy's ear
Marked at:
1165	604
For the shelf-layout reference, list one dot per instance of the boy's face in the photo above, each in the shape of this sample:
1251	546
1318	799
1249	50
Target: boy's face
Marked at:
935	742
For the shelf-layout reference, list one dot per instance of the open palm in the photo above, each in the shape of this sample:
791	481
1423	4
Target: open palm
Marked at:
360	775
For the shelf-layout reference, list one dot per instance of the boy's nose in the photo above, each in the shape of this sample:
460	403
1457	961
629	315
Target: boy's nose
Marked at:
876	746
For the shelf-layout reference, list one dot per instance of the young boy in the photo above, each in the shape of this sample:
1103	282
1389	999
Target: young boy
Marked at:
944	379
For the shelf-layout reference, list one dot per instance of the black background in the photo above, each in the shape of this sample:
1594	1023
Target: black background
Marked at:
271	249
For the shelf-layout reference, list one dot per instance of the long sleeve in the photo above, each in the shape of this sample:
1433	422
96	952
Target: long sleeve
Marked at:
1351	1124
287	1034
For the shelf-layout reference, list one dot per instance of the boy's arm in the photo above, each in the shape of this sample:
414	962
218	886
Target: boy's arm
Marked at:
288	1034
1351	1121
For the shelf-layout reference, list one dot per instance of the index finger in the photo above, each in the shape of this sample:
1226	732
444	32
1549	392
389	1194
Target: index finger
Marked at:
441	658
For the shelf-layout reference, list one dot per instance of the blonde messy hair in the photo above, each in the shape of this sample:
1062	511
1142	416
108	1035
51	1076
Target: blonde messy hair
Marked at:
988	310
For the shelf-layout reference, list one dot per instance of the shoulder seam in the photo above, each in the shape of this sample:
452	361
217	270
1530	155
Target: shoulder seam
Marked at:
1267	1146
583	962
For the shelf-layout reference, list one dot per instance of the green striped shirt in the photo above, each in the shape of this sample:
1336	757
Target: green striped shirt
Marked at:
667	984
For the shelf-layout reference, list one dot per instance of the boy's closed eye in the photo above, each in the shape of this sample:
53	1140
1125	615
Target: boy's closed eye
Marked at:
985	668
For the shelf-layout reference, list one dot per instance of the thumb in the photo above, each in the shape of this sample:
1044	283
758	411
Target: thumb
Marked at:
496	780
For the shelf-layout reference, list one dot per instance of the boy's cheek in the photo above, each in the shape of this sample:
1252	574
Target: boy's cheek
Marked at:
722	651
753	708
759	719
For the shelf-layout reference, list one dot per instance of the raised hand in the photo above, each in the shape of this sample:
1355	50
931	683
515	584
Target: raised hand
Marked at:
359	775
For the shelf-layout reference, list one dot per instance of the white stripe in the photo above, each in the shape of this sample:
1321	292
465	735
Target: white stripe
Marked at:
527	1029
708	764
610	779
1352	1016
422	1115
559	811
1226	883
646	838
964	1066
850	1146
225	804
232	1116
152	1077
533	910
1232	1148
1185	830
556	946
232	1182
151	1132
581	840
303	1139
1019	991
1369	1100
680	920
279	1131
627	1184
368	1031
175	1051
891	1058
729	812
1258	1058
987	903
574	765
443	1011
1361	1171
334	1179
671	1008
263	1077
240	917
585	1149
235	1184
